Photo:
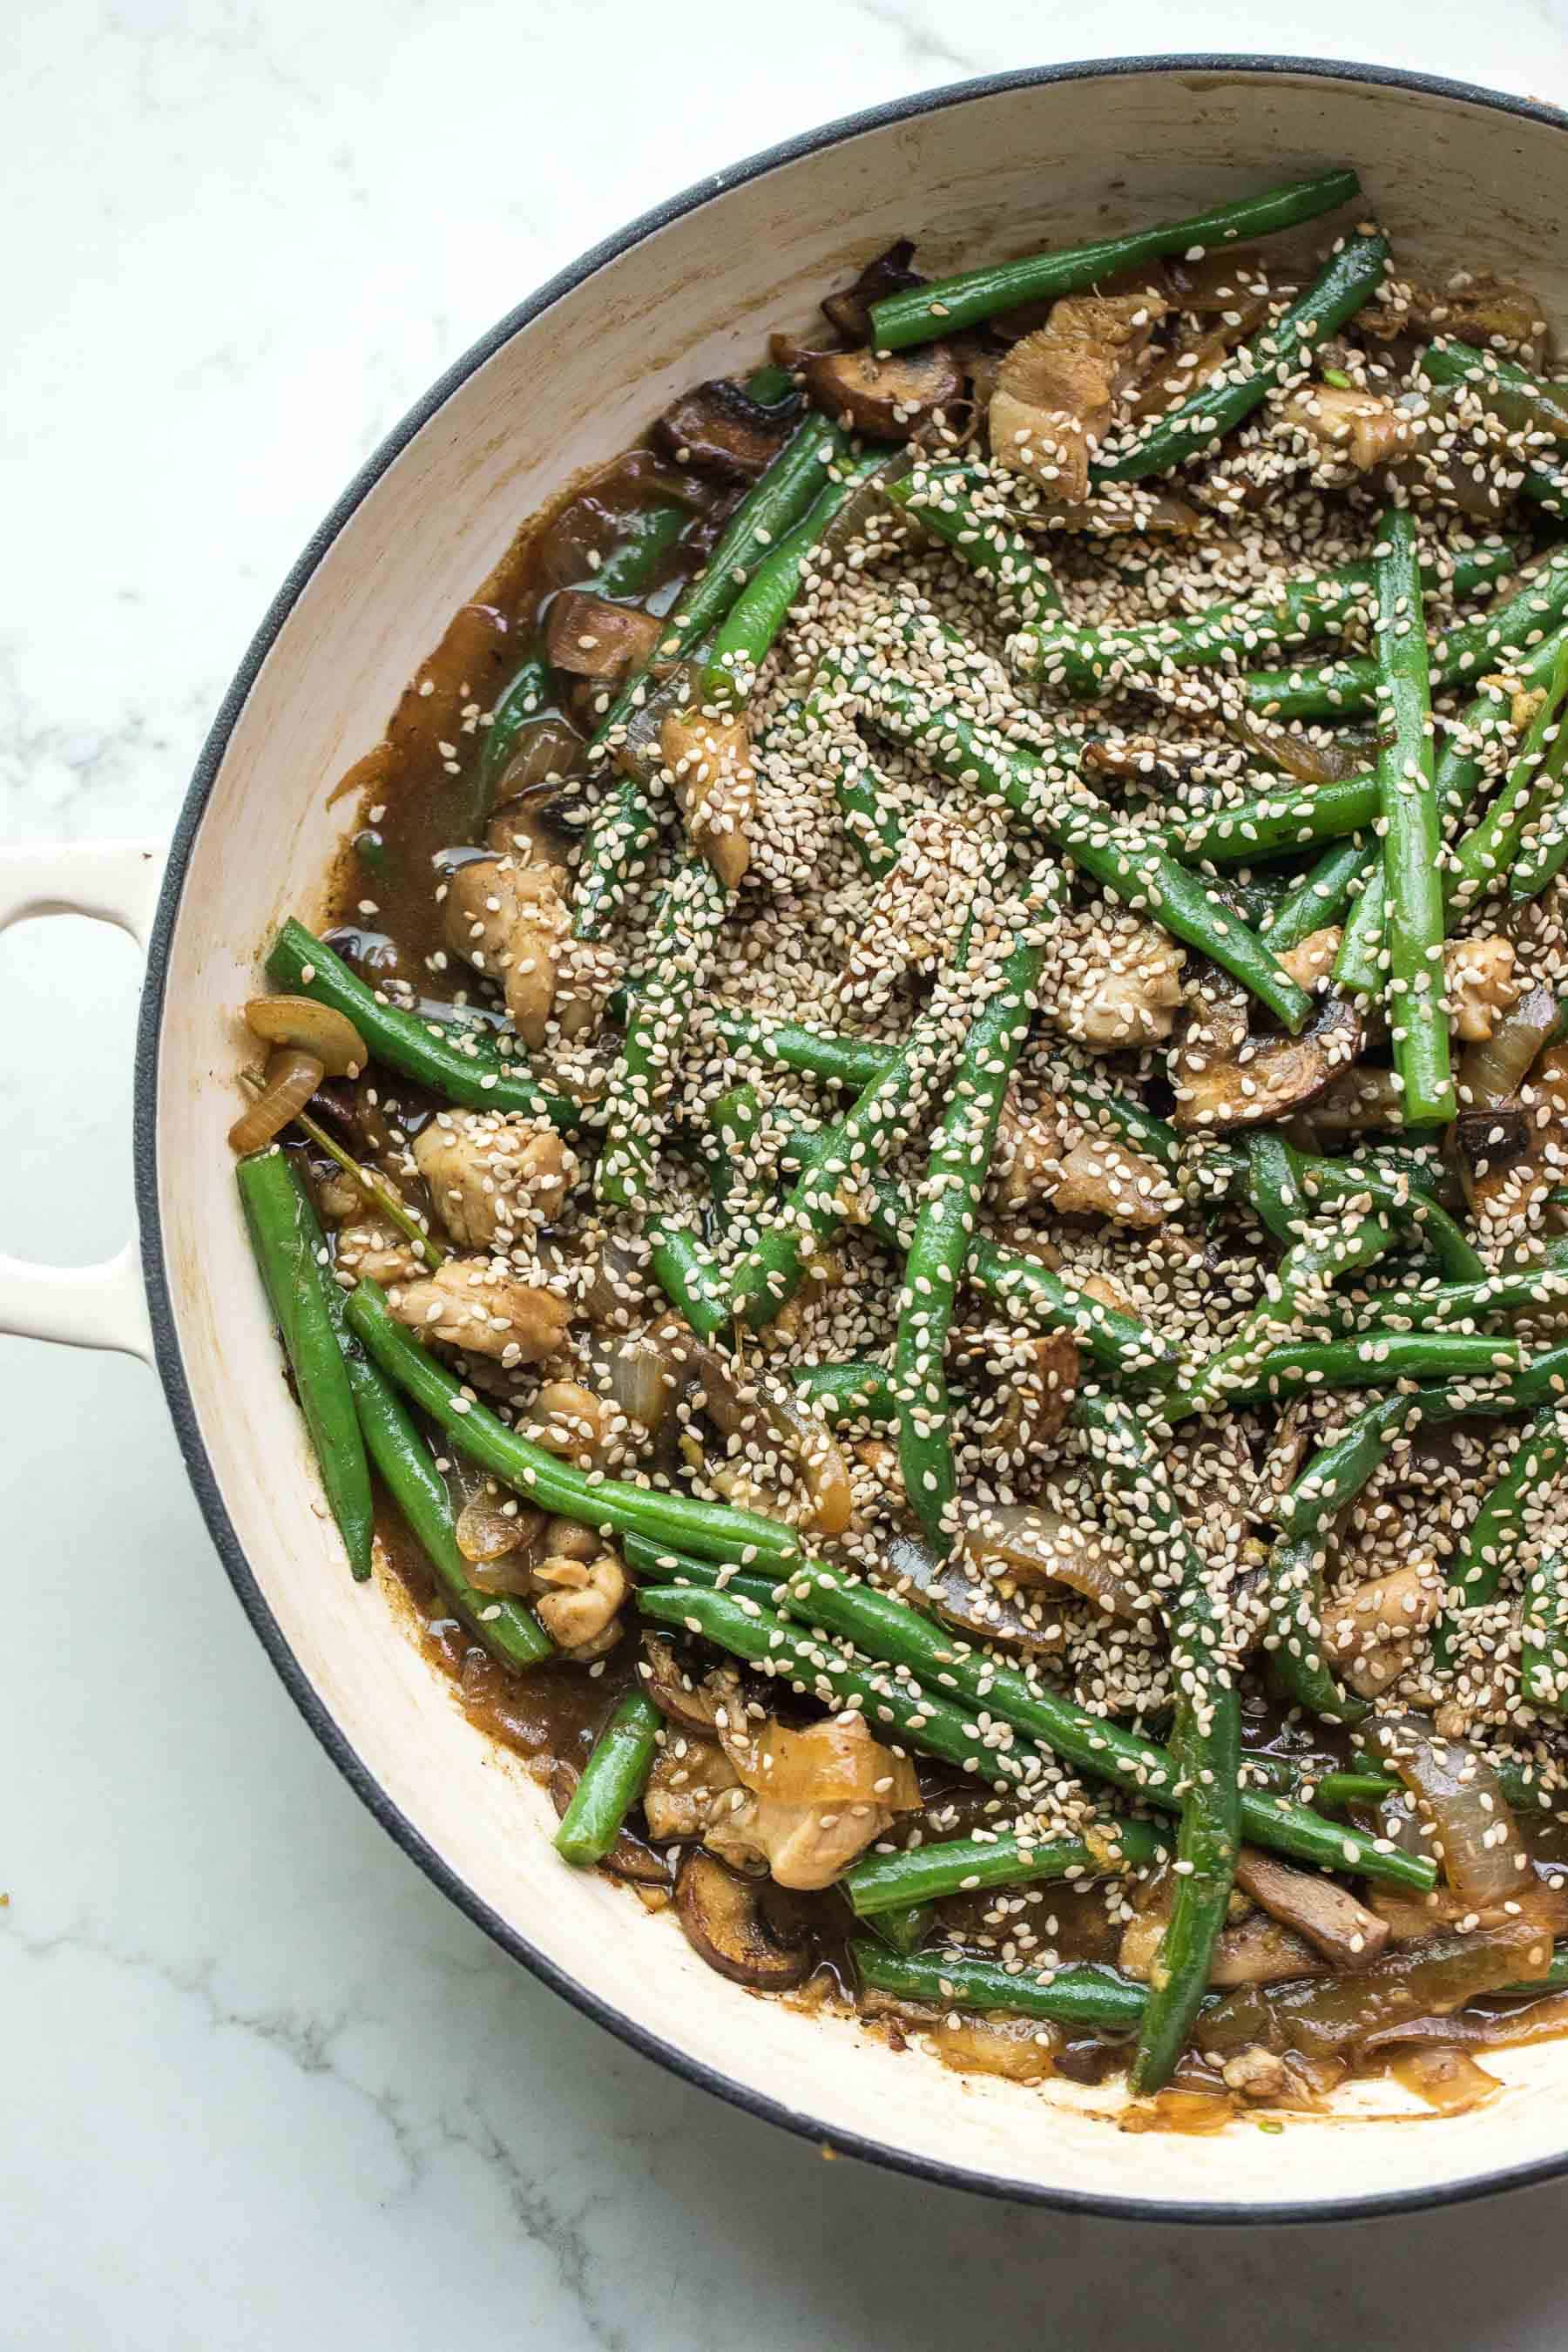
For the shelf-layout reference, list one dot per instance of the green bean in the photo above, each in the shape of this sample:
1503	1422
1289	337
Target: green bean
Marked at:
1374	1359
612	1780
386	1202
1543	857
945	1219
1082	1992
1135	871
904	1930
922	313
1335	689
1088	661
1492	1542
1491	845
1348	279
770	1274
769	385
1321	895
914	1644
866	802
457	1064
508	1628
732	1124
1291	1296
288	1251
681	1267
847	1061
1412	836
847	1392
1544	1649
760	609
1333	1183
1459	1305
1524	402
624	822
712	1530
764	1639
1336	1789
925	1874
1269	824
1293	1577
691	916
1205	1742
1032	1294
941	499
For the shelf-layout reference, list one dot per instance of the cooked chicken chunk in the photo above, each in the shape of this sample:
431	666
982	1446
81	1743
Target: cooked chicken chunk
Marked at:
508	921
1118	983
1055	389
494	1176
691	1781
1256	2073
918	905
1370	1634
1315	959
569	1420
483	1305
579	1598
372	1250
814	1799
716	784
1052	1156
1481	986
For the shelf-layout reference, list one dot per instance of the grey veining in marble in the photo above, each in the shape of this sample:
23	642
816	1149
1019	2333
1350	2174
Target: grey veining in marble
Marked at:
261	2087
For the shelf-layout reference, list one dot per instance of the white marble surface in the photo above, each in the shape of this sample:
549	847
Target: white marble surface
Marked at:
260	2085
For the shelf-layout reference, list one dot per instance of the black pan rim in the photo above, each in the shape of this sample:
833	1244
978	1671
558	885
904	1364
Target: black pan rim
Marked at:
166	1346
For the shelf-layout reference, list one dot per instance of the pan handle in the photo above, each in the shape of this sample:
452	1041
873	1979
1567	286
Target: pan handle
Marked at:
112	882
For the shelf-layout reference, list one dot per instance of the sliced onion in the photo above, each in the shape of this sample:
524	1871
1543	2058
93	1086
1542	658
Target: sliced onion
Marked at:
1026	1541
1483	1856
1445	2079
1309	763
292	1079
808	1442
645	1378
1495	1067
544	750
865	500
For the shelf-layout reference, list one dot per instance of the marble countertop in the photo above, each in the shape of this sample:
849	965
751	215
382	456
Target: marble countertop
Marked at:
262	2085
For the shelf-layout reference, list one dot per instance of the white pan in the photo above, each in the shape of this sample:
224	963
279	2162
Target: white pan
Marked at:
568	379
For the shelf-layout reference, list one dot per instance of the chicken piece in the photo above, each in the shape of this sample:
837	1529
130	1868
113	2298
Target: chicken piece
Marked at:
1315	959
1122	988
716	784
571	1421
1370	1634
1358	429
494	1176
1481	986
814	1799
1095	1174
483	1305
372	1250
691	1781
1256	2073
508	921
338	1197
1055	389
580	1598
1475	306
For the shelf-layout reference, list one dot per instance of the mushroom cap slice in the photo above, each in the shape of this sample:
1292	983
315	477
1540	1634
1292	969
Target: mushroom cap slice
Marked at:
724	1921
887	398
1266	1079
628	1858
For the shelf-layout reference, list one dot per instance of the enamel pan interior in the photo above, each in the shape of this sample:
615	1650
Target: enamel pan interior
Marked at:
691	292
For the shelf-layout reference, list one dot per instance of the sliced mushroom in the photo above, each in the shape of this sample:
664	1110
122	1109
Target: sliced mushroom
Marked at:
1055	390
1345	1931
1035	1377
589	636
724	1922
1254	1949
1094	1175
891	399
1267	1077
628	1858
848	313
718	428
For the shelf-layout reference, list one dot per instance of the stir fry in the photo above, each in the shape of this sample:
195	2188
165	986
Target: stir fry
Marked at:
916	1196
